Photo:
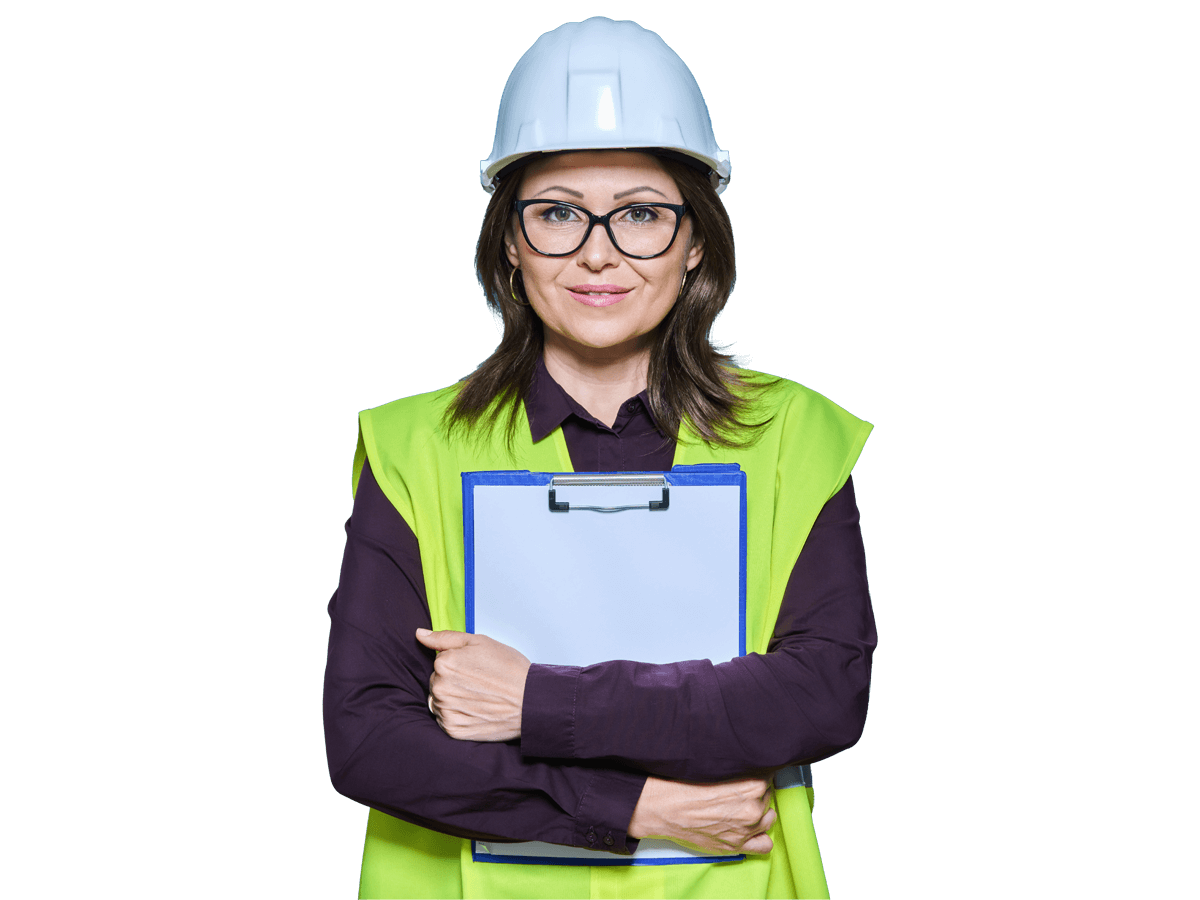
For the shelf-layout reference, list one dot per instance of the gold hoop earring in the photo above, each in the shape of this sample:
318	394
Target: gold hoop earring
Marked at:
512	290
682	285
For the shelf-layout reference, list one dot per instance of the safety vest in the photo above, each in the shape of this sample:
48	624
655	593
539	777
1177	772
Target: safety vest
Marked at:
798	461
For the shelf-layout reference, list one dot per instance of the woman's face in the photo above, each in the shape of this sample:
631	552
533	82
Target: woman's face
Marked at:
597	298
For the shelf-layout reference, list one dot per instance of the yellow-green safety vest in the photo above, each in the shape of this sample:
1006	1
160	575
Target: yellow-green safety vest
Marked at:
800	459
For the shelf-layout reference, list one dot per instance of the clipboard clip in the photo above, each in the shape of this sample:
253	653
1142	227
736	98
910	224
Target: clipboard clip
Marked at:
607	480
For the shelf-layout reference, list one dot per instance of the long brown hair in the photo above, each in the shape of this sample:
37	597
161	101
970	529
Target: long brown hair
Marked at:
688	377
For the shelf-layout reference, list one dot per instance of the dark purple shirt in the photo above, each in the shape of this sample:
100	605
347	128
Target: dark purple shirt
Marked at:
590	734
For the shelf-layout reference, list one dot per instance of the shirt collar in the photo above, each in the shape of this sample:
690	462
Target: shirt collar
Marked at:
547	405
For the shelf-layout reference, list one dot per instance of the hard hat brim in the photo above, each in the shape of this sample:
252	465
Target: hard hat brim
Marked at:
490	173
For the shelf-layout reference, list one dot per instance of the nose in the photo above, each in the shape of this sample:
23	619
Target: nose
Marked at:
598	251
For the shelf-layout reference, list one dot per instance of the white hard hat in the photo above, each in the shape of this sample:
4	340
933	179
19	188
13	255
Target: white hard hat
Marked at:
600	85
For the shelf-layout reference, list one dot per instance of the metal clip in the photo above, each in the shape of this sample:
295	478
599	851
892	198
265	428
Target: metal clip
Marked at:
610	481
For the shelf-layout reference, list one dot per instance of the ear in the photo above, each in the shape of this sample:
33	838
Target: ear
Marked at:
511	235
510	248
695	253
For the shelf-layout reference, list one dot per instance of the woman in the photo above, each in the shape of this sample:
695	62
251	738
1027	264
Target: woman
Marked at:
608	267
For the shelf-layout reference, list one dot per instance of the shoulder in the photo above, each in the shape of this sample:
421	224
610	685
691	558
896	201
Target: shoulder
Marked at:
410	429
804	431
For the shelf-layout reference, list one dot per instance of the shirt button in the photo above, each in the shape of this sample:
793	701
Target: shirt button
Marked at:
591	837
608	839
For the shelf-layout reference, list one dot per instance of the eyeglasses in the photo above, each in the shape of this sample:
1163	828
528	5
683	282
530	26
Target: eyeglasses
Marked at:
639	230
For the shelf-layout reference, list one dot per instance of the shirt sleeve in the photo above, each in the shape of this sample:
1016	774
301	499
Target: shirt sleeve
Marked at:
802	701
385	748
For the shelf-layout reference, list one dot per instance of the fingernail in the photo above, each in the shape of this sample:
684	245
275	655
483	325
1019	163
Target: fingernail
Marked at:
423	631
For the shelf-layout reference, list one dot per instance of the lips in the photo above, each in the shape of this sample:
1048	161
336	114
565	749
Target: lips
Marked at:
598	294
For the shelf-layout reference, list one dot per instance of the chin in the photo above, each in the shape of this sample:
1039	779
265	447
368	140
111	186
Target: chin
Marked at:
605	340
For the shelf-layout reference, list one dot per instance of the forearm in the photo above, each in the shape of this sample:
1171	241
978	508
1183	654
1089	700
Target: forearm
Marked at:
697	721
386	751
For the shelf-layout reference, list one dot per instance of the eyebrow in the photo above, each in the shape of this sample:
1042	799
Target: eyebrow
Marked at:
635	190
616	196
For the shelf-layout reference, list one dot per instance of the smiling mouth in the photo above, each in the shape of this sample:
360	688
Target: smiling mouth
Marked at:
598	294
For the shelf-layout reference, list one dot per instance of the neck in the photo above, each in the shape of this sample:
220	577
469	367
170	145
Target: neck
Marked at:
599	379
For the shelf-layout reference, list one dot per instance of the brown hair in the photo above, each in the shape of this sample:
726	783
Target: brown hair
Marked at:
688	377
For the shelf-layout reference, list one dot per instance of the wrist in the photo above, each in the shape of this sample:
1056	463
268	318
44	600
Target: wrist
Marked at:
646	821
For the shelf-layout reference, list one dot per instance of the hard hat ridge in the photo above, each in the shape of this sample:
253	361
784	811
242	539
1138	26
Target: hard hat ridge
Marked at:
597	85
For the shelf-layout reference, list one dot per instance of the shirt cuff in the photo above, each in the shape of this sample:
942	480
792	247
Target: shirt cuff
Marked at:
602	820
548	712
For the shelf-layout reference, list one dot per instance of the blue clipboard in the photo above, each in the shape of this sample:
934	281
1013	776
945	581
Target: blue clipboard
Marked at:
577	568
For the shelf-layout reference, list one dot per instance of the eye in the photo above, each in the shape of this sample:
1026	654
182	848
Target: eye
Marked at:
640	215
558	215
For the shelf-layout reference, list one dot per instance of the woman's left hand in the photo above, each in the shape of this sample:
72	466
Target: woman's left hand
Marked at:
477	687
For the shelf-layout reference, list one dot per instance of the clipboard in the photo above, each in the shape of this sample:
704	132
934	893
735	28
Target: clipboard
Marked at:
574	569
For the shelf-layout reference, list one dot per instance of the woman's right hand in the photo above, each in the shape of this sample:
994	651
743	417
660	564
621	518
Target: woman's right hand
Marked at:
726	817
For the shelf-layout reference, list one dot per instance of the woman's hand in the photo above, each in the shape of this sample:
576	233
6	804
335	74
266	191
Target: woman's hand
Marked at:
477	687
727	817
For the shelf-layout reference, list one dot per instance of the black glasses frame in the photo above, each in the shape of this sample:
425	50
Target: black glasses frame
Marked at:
680	209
